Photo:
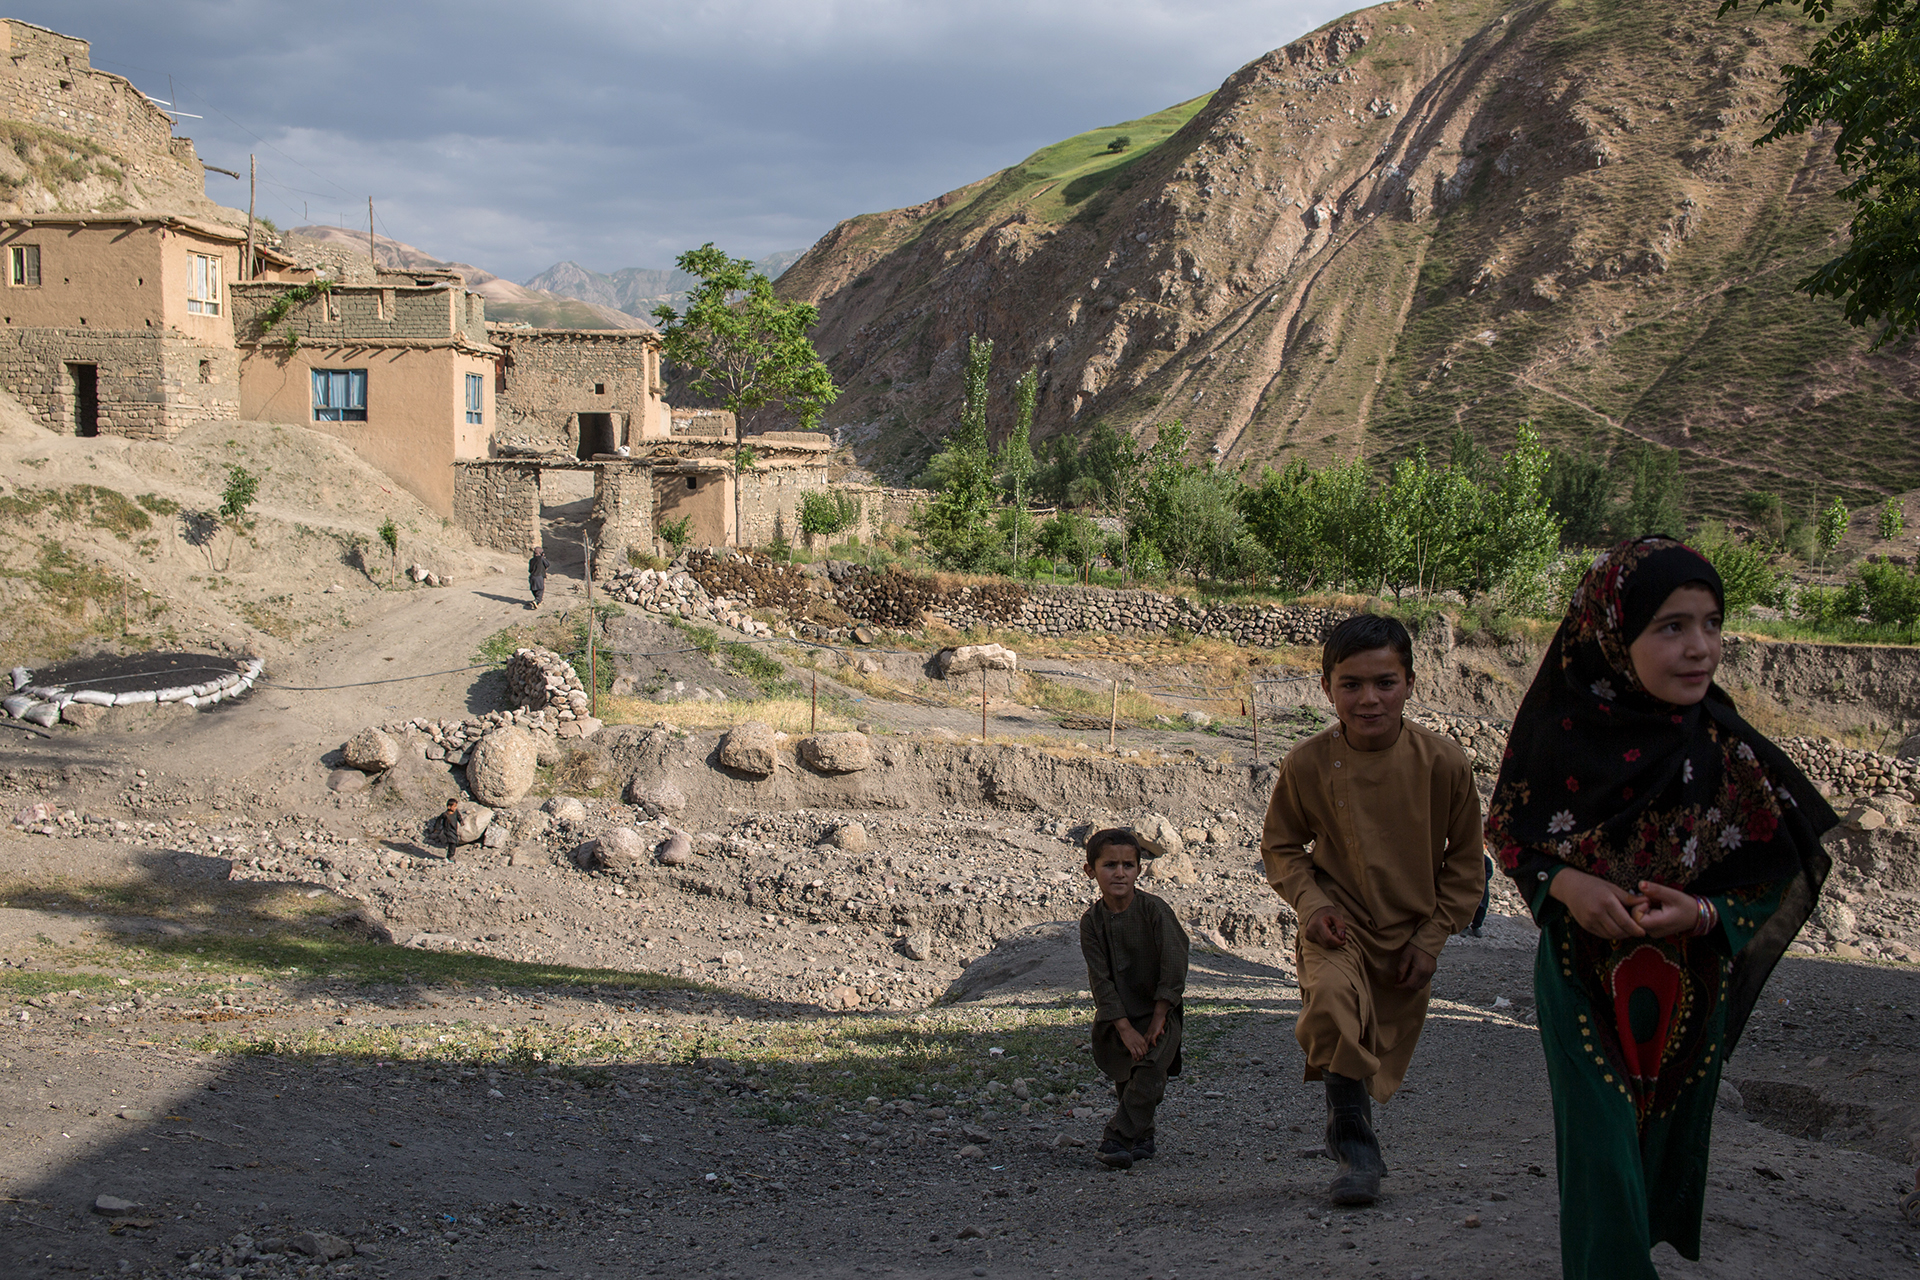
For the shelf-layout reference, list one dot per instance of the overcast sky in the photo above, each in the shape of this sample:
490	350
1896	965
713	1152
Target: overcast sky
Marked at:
619	133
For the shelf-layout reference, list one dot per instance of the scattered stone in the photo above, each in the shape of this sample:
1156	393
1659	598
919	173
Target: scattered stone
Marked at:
748	748
662	798
1864	818
566	809
675	851
371	751
918	944
82	715
497	836
850	837
971	1152
968	658
475	819
113	1206
1835	917
843	998
1473	1220
1730	1098
837	752
1174	868
620	851
1196	719
319	1244
1159	838
347	781
503	767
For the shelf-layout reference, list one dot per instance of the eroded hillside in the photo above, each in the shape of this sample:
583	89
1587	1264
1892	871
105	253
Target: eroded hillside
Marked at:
1421	216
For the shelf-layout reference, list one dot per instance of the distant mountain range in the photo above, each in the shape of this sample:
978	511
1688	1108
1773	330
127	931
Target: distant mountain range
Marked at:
637	290
564	296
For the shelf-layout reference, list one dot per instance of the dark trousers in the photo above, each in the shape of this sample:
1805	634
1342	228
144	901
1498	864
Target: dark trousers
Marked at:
1139	1085
539	588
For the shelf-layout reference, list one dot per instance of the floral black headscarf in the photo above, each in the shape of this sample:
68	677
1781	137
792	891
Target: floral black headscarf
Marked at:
1602	776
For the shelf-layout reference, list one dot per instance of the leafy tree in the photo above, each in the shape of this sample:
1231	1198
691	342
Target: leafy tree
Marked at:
1016	455
1656	495
1431	514
1519	533
1893	520
1831	528
958	524
1861	77
1071	537
1889	594
745	347
1120	143
1746	569
1767	510
1580	490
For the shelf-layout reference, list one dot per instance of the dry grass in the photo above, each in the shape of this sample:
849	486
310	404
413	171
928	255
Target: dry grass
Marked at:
787	715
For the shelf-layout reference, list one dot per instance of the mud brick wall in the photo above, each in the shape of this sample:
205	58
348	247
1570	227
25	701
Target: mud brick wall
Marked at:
547	378
151	387
770	501
354	314
498	503
622	513
46	79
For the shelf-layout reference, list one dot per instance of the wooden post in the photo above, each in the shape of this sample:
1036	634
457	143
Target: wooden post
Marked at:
372	256
983	704
813	711
1113	717
1253	716
246	264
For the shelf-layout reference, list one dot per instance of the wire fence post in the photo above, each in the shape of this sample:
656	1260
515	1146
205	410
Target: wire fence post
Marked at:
1113	716
983	704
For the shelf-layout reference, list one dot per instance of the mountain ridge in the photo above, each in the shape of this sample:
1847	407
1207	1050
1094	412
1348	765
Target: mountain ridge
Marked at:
1411	220
638	290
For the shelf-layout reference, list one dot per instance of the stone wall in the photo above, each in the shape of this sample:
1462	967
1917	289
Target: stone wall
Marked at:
371	315
549	377
622	514
770	501
498	503
151	386
46	79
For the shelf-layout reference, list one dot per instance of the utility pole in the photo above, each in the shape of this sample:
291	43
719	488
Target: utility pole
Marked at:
593	662
253	171
372	257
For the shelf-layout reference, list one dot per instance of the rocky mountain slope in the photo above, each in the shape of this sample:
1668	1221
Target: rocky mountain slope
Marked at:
1419	217
636	290
505	299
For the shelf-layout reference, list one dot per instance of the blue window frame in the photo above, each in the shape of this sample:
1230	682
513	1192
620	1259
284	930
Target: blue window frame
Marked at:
339	395
476	404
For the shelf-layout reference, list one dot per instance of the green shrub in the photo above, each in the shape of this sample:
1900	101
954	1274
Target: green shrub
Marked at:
1889	593
1828	606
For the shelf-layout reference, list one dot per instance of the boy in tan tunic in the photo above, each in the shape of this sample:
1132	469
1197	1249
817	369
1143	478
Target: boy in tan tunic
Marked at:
1136	955
1395	868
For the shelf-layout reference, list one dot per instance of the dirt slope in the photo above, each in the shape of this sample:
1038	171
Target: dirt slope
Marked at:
1420	216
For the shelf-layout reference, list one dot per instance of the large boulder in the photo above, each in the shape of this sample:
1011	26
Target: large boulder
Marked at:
837	752
1159	838
371	751
502	767
620	851
660	797
748	748
475	821
949	663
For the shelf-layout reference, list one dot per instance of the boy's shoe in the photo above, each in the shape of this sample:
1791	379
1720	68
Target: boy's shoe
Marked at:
1143	1150
1351	1141
1114	1155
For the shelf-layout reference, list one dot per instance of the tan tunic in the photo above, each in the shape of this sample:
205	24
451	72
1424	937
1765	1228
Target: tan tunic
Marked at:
1396	848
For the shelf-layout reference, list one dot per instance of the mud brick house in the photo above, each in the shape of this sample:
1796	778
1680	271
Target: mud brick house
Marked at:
581	391
122	325
400	369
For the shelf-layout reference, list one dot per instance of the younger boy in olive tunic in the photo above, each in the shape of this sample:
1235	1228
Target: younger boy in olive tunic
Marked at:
1136	955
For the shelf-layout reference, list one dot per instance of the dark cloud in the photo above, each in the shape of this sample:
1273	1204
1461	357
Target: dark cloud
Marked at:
619	134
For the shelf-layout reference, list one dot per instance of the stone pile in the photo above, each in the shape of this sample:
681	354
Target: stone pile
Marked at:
1483	740
454	740
541	679
678	593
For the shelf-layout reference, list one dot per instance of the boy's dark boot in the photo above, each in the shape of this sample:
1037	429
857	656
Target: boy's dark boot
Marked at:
1351	1141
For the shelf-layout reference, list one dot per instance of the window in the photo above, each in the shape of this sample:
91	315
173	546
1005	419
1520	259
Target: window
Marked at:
25	265
599	388
203	285
476	405
339	395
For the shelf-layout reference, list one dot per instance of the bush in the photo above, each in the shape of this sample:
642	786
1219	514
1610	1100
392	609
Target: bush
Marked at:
1746	569
1828	606
1889	594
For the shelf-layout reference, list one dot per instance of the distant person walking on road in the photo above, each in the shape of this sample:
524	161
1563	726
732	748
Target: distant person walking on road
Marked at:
537	576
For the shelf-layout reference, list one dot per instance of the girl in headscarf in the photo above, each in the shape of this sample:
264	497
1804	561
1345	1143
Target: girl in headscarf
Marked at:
1669	853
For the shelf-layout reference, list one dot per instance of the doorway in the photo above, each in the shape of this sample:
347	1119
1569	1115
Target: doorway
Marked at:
596	434
85	392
